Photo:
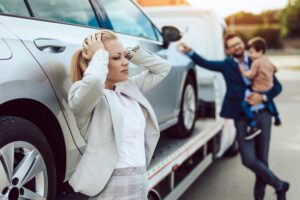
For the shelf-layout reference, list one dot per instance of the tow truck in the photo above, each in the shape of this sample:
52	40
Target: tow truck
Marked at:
177	163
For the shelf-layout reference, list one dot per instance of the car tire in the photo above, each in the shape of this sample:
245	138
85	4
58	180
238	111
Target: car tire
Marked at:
27	167
188	111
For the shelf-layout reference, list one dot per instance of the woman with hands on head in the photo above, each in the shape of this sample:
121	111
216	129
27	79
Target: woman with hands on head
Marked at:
114	117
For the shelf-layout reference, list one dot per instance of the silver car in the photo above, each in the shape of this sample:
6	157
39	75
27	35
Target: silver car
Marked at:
39	141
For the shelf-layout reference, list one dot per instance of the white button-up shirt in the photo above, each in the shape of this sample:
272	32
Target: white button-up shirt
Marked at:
132	143
248	82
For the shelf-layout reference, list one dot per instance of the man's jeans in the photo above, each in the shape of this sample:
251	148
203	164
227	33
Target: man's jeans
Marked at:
254	153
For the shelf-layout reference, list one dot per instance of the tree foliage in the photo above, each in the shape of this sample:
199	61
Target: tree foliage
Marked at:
270	34
291	19
266	17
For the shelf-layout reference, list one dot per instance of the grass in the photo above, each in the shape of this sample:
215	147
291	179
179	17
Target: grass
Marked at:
296	68
281	52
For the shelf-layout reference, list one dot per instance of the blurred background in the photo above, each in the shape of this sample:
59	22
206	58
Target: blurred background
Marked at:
278	22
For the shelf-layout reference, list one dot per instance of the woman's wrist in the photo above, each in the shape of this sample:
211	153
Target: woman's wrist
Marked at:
98	63
130	52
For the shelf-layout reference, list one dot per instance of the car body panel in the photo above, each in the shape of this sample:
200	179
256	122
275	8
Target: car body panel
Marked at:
204	33
25	79
43	74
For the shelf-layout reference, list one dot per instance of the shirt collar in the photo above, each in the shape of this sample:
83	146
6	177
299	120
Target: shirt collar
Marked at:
246	58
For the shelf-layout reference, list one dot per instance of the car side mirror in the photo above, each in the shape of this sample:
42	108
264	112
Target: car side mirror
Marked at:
170	34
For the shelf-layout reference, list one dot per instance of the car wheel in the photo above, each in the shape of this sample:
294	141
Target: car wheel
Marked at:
187	115
27	168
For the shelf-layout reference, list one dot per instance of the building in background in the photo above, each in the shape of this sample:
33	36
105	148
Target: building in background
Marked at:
162	2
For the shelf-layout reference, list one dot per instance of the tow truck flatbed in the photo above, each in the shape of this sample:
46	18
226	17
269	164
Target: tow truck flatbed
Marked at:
178	162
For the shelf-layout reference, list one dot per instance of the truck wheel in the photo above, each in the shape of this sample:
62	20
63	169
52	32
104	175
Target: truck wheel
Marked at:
187	115
153	195
233	150
27	168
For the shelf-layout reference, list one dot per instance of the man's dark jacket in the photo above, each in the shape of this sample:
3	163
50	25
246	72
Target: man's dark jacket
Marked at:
235	84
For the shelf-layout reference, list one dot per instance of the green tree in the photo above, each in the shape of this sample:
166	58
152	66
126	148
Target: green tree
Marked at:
270	34
266	17
291	18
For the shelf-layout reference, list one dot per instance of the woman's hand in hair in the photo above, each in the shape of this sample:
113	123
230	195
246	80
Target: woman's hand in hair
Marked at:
92	44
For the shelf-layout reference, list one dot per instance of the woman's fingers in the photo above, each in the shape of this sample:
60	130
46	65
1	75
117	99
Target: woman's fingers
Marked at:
99	36
93	38
89	40
84	45
99	39
91	44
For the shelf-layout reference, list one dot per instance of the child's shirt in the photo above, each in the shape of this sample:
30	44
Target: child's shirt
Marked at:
261	73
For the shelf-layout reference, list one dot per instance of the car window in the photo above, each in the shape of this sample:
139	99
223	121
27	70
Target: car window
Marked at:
159	36
71	11
14	7
126	18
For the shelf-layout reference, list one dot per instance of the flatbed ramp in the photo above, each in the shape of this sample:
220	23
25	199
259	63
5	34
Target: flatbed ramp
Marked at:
178	162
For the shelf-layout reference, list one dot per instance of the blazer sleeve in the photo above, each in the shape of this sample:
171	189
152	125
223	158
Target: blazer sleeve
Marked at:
275	90
215	65
156	69
86	93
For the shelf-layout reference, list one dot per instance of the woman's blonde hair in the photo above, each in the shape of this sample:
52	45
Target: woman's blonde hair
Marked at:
79	63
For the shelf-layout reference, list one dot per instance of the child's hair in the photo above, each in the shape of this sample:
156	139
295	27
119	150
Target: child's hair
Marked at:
79	63
258	43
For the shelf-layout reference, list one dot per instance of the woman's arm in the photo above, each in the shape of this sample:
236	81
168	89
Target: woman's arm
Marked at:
86	93
156	69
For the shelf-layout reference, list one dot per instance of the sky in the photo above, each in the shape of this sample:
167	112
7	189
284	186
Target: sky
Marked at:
227	7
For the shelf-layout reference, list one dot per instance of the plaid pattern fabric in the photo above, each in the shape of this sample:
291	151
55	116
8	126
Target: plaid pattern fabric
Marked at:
125	184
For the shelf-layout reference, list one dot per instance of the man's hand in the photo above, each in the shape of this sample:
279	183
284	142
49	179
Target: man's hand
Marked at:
254	98
183	47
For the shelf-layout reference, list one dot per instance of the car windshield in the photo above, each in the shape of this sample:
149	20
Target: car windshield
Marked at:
125	17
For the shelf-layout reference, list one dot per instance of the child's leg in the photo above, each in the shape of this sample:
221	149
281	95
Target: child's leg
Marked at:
273	109
249	114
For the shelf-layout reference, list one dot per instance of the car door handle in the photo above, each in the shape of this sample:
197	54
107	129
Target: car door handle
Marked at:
50	45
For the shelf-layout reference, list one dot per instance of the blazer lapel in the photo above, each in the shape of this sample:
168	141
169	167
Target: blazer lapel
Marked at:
117	120
131	90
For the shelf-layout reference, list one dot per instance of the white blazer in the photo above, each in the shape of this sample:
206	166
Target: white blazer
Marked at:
99	121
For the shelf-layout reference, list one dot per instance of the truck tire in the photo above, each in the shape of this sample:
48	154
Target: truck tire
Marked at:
154	195
27	167
188	111
233	150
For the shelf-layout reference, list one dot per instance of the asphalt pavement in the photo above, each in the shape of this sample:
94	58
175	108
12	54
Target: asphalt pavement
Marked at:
227	179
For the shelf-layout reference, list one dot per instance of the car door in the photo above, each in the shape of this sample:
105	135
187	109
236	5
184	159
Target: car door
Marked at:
135	28
54	31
